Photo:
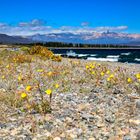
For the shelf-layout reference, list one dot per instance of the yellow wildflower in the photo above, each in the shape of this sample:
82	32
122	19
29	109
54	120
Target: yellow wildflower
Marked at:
108	79
48	91
111	76
50	73
92	66
56	86
93	72
28	88
102	73
23	95
3	77
19	78
40	70
108	72
129	80
8	66
138	75
87	67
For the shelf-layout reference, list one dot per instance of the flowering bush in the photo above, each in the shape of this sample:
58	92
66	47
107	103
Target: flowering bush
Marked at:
44	52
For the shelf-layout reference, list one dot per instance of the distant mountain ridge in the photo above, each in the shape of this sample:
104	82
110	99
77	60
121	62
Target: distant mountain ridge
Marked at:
6	39
86	38
91	38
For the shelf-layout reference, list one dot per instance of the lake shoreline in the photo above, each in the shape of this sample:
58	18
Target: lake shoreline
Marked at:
19	46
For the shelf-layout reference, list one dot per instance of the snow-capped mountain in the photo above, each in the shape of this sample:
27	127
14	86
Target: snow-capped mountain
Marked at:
88	38
93	38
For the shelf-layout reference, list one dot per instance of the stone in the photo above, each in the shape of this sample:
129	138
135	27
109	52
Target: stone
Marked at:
2	126
138	135
69	120
73	136
91	139
127	137
135	122
48	126
116	91
100	124
87	117
83	106
110	118
138	104
57	138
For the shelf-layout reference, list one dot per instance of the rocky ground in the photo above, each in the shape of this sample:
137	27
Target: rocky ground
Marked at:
84	107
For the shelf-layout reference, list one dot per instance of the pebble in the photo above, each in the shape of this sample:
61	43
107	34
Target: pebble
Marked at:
91	139
93	114
127	137
116	91
87	117
57	138
2	126
138	104
110	118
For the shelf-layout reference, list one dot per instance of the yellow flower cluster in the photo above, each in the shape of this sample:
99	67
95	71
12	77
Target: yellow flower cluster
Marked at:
138	75
48	91
23	95
28	88
129	80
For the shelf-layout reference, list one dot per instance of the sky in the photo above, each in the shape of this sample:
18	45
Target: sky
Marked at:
25	17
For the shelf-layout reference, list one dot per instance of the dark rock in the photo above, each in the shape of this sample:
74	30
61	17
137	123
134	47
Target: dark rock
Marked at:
96	90
2	126
117	91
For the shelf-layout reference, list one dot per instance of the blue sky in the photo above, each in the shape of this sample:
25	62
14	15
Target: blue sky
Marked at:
71	15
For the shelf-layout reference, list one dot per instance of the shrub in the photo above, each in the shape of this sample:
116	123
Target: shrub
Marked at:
25	49
57	58
44	52
21	58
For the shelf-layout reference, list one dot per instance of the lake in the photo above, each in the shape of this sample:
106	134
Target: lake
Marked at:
111	55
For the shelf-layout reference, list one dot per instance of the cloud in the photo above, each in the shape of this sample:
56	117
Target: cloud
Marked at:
33	23
38	26
85	24
106	28
3	25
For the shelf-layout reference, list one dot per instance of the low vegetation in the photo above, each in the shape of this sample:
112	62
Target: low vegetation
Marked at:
32	78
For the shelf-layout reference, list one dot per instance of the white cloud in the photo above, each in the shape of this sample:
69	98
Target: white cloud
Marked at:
117	28
38	26
85	23
3	25
33	23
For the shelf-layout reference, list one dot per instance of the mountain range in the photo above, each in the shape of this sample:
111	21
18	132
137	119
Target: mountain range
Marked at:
6	39
87	38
